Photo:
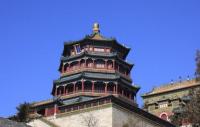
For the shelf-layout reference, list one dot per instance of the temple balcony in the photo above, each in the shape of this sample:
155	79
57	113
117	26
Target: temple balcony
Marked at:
95	65
96	93
90	69
96	61
95	89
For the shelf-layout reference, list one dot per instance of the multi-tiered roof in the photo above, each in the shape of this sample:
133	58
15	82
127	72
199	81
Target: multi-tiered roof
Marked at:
91	68
94	66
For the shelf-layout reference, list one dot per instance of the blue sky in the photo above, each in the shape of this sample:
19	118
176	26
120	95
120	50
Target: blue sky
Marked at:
163	36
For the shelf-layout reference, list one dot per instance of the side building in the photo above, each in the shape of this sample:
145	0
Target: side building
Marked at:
163	100
94	88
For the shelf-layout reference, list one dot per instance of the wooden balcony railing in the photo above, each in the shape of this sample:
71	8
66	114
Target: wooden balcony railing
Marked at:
92	69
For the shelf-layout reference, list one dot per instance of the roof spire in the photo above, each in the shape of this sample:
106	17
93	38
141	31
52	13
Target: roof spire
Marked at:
96	28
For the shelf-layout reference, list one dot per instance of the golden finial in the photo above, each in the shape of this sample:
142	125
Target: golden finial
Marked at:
96	28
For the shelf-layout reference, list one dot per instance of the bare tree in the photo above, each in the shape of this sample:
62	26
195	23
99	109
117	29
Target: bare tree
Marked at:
189	112
90	120
193	107
198	65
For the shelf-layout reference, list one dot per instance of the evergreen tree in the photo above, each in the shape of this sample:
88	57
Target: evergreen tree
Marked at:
23	112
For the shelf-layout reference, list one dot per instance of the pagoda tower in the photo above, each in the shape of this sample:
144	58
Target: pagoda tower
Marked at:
94	66
95	87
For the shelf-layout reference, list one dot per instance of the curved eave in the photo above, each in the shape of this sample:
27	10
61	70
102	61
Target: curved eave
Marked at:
167	91
84	41
42	103
88	40
129	64
126	49
98	55
133	88
137	88
89	75
149	95
144	96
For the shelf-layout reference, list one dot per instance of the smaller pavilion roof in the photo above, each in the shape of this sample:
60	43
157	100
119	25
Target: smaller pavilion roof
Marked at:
173	87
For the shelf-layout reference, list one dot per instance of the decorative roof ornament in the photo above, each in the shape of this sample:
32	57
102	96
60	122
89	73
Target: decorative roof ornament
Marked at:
188	78
96	33
180	78
172	82
96	28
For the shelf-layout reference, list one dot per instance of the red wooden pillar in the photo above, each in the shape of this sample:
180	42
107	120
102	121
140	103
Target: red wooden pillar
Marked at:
45	111
106	64
113	64
55	110
92	86
69	67
59	91
84	65
130	95
63	68
122	92
116	88
93	64
79	63
64	89
62	92
82	85
106	87
56	91
74	87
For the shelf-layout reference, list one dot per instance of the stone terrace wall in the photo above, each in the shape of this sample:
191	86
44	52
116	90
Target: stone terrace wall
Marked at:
122	117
